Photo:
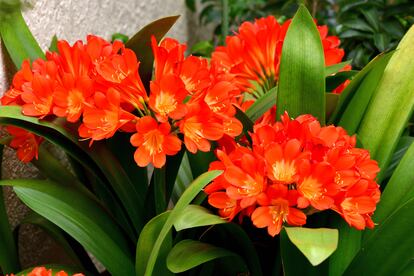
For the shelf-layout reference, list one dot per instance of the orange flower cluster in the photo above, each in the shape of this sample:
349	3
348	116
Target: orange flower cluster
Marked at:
253	53
96	84
42	271
292	168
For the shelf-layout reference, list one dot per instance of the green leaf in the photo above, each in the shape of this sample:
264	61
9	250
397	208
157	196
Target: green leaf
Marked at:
408	270
188	254
184	178
195	216
294	262
332	82
18	39
402	147
83	219
200	162
394	98
351	89
372	17
53	44
9	259
190	193
203	48
317	244
381	41
246	122
57	234
389	248
121	37
261	105
349	244
146	241
354	112
140	43
399	189
302	70
329	70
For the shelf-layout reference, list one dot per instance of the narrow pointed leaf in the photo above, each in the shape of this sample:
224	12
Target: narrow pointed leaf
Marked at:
190	193
302	70
83	219
354	112
350	90
195	216
392	244
188	254
394	99
329	70
317	244
261	105
146	241
18	39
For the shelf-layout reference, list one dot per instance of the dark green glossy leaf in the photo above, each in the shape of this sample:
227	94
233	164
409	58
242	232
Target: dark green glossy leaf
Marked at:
391	241
18	39
331	103
261	105
317	244
188	254
372	17
190	193
200	162
332	82
399	189
140	43
402	147
146	241
184	178
302	70
84	220
196	216
348	246
246	122
395	98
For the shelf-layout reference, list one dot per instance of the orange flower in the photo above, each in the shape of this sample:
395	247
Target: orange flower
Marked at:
273	216
43	271
167	96
71	97
167	56
154	142
26	143
199	126
105	118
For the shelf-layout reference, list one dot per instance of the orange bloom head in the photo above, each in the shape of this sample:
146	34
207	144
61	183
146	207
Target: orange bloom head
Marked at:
43	271
154	141
167	96
253	53
293	168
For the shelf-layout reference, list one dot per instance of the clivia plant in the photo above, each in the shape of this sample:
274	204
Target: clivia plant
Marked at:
271	158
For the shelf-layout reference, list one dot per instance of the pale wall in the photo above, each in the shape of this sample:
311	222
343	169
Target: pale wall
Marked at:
73	20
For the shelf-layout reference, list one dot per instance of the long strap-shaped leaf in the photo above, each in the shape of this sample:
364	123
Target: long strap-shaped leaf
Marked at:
189	194
80	217
302	70
390	248
394	101
18	39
